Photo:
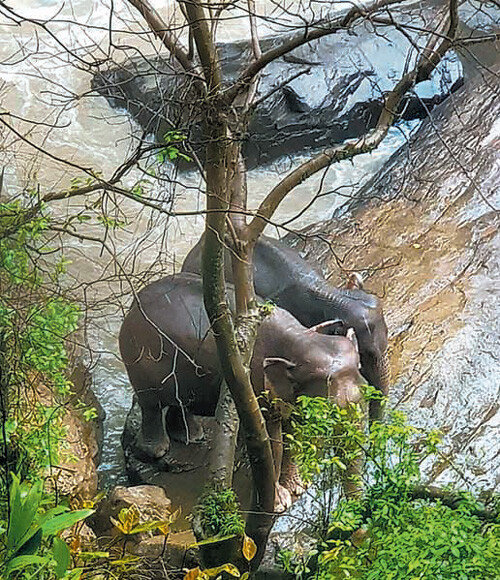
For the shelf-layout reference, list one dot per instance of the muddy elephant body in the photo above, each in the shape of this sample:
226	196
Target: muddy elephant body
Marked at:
171	359
284	277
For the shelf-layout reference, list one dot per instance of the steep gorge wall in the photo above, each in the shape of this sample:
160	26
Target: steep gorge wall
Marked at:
425	233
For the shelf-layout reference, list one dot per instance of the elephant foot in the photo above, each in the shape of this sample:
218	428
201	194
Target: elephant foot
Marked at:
290	479
152	449
282	499
182	426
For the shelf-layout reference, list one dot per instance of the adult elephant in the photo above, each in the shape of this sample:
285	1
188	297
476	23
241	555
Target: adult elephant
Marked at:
171	359
281	275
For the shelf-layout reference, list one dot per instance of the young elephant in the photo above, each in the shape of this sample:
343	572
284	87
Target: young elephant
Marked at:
281	275
171	359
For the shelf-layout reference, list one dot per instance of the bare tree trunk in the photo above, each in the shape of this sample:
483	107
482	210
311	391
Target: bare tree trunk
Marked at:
225	438
234	370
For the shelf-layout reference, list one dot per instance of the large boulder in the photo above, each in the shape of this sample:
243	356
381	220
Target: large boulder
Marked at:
338	93
150	504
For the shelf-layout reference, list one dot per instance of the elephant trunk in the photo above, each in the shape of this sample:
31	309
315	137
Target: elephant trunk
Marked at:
384	369
384	377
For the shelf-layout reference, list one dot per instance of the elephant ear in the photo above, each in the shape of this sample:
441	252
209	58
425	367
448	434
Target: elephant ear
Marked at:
329	327
277	378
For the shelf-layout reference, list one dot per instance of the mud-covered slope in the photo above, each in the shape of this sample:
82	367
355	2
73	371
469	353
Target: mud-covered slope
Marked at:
428	243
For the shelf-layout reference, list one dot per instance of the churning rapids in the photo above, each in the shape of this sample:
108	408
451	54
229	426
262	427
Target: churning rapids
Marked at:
90	132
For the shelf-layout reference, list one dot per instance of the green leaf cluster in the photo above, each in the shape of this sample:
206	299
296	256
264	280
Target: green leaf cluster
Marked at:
170	151
410	539
324	436
35	323
15	264
43	341
219	513
386	532
31	546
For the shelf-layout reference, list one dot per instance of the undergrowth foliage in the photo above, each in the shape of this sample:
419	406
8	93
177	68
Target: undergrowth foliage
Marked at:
35	323
219	513
388	532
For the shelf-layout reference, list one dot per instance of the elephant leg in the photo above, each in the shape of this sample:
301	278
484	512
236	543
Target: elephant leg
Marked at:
183	426
282	497
153	441
290	476
376	411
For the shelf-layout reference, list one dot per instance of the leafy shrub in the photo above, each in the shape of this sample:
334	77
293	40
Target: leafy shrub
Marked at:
389	532
30	547
219	513
35	322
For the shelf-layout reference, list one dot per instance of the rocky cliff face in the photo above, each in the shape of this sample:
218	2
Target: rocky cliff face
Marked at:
425	233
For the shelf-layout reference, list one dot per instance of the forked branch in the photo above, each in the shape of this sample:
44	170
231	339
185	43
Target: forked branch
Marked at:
161	30
427	62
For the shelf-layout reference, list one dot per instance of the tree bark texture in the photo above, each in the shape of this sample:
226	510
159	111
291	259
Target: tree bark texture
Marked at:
234	370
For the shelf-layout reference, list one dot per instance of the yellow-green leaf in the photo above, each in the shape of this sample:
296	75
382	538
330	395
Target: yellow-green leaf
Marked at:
125	561
118	525
213	540
249	548
229	568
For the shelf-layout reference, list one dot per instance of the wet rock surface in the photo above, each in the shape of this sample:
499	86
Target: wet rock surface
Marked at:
184	470
427	240
424	232
75	474
333	98
150	501
151	504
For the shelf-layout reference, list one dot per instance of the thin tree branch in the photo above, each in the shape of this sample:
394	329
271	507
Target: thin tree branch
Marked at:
161	31
365	144
313	32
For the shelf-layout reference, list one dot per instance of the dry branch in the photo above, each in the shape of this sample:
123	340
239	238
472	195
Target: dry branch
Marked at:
429	60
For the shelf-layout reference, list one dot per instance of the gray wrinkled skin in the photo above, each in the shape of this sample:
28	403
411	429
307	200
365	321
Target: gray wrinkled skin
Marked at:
282	276
171	359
